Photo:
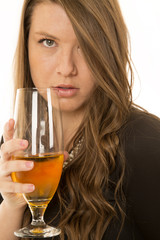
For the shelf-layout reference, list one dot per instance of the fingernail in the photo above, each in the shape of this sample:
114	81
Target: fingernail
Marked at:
29	164
23	143
30	188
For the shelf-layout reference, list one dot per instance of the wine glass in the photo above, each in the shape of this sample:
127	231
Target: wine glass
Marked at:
38	120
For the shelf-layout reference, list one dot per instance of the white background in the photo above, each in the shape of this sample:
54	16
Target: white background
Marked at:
143	21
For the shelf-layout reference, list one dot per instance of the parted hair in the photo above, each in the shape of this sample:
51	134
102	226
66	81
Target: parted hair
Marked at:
85	209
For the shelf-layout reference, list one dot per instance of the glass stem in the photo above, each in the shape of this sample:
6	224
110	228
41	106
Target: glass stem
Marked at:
38	215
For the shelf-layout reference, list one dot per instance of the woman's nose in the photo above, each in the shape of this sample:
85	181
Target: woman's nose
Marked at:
66	65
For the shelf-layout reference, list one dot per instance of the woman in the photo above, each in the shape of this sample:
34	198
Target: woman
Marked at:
109	184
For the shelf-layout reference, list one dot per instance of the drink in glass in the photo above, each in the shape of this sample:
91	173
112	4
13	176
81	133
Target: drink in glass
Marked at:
38	120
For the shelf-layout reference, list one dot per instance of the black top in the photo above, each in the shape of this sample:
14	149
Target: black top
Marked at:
142	151
141	140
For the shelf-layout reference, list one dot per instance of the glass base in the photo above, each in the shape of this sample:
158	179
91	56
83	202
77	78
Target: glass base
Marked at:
32	231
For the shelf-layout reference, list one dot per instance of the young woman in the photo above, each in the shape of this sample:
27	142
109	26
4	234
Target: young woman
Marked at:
110	184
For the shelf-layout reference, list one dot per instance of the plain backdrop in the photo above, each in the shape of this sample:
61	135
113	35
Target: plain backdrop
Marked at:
142	18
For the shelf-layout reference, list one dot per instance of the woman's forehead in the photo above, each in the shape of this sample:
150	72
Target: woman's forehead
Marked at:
51	19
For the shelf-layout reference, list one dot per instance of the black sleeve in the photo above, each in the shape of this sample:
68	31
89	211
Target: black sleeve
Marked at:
143	165
1	199
1	140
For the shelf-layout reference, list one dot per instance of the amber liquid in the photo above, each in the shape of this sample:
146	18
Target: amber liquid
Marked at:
45	176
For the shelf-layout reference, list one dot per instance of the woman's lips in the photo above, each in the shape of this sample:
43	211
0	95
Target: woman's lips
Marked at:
66	90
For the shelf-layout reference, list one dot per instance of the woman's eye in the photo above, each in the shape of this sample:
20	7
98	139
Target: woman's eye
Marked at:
48	43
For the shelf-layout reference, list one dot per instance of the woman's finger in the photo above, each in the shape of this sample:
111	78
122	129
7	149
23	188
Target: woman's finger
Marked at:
7	167
11	146
11	187
8	130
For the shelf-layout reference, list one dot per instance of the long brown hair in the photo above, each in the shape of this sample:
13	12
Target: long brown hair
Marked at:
103	38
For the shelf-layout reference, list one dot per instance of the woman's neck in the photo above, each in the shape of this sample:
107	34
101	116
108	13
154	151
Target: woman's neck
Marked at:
71	123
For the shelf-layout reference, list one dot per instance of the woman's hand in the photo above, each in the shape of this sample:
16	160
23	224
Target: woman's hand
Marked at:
10	191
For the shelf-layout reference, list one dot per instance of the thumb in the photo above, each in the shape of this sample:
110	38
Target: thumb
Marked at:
66	155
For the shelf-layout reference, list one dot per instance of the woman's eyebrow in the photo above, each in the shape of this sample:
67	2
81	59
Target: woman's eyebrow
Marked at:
47	35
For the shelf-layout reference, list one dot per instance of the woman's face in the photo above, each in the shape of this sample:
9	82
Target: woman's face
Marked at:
55	58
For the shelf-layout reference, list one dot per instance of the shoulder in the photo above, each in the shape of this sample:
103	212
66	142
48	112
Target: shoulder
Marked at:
141	141
141	133
142	124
